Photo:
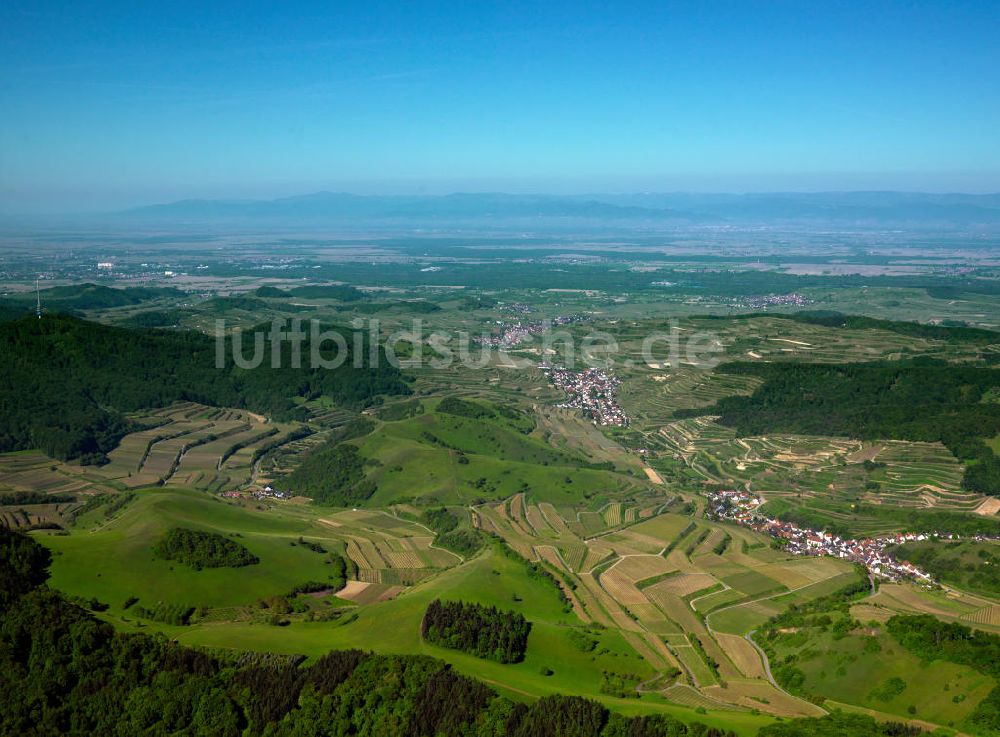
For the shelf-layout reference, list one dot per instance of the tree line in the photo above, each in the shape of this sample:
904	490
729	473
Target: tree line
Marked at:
839	320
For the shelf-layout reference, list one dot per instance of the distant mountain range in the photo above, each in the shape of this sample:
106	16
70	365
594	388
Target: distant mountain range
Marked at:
840	207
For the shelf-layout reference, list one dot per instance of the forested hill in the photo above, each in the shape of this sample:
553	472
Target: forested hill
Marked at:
922	399
91	297
65	382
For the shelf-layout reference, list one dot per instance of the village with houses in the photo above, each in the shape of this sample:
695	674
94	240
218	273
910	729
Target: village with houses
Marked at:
873	553
762	302
514	332
592	391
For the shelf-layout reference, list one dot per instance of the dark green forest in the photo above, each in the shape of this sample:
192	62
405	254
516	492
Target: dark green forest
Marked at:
93	297
923	399
342	292
66	383
332	474
199	549
486	632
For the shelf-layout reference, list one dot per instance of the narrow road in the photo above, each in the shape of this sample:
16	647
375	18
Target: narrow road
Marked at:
767	670
763	656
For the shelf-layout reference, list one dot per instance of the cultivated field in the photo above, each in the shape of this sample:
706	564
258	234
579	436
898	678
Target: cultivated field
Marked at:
655	576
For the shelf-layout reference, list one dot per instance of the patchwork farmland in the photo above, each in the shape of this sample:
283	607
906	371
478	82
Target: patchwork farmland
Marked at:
186	445
388	550
663	579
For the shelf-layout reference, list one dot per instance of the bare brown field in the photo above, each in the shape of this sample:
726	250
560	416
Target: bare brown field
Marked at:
640	567
361	592
685	695
762	695
653	475
989	507
742	653
685	584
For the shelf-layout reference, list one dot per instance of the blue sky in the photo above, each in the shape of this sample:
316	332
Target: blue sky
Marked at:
112	104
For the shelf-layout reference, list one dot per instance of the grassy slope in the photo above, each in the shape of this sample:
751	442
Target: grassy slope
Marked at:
843	671
114	562
413	465
393	626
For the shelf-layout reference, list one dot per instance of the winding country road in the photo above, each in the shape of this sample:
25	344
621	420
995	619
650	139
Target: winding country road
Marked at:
763	656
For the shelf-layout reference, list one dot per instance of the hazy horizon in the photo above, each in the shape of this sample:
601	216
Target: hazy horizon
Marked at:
106	110
125	204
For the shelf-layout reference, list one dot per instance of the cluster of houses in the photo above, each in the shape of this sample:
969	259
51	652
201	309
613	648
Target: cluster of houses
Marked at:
266	493
760	302
513	332
518	308
591	390
742	507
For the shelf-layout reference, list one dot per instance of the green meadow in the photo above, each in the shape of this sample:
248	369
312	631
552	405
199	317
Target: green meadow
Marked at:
113	560
439	458
868	668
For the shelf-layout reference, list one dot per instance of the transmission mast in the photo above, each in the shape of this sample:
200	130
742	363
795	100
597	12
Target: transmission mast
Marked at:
38	303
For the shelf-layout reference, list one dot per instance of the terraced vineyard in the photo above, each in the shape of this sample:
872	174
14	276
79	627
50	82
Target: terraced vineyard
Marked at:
658	384
657	577
33	472
898	473
387	549
187	445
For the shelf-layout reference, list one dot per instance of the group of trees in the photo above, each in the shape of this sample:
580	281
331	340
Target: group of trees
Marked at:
103	372
200	549
465	542
486	632
8	498
518	419
176	614
332	474
64	672
921	399
839	724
